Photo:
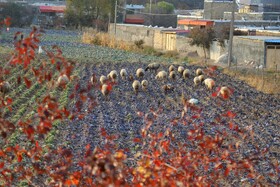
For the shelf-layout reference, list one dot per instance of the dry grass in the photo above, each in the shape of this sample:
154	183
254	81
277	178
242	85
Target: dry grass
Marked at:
104	39
5	53
265	81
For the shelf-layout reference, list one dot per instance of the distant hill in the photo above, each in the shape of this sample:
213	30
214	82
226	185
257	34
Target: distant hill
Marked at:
179	4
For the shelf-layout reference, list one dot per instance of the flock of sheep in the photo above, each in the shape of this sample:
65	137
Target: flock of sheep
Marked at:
161	75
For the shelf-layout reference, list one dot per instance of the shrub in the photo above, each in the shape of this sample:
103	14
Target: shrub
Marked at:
139	44
171	54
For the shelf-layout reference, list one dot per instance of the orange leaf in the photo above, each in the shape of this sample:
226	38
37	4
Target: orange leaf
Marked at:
30	131
231	125
231	114
27	82
19	157
1	165
137	140
2	153
75	182
18	80
9	100
214	94
87	146
68	182
227	171
7	21
157	163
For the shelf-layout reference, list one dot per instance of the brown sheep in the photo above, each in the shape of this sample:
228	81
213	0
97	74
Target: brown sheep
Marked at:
5	87
199	72
172	75
171	68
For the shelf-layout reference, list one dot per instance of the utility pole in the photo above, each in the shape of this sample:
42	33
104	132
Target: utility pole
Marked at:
115	20
124	11
109	24
150	6
231	34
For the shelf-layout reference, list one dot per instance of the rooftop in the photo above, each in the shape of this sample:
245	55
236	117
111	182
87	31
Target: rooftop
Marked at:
132	6
267	39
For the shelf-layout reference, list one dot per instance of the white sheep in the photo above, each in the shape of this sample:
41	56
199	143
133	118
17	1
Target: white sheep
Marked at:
162	75
171	68
201	78
136	86
225	92
140	72
172	75
105	90
210	83
186	73
196	81
113	75
62	80
40	50
144	84
199	72
181	69
103	79
153	66
123	74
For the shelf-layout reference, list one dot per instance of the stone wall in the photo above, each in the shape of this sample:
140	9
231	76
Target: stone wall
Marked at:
248	50
156	38
132	33
183	46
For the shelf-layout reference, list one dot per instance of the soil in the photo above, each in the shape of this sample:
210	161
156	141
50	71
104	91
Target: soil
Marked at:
118	114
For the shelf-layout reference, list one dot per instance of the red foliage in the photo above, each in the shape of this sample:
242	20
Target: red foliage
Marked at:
202	160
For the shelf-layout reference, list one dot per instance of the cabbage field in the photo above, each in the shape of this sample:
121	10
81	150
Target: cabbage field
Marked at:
158	124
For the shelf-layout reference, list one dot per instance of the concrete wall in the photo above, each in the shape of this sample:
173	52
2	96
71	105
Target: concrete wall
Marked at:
155	37
132	33
246	16
216	50
183	46
248	50
215	10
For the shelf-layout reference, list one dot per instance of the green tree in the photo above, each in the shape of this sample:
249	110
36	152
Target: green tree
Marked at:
19	14
202	37
87	12
223	34
161	7
165	7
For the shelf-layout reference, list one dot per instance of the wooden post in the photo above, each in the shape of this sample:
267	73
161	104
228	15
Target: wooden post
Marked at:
115	19
231	34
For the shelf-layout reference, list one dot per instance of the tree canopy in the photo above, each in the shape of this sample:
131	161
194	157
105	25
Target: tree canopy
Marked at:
88	12
20	15
161	7
202	37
